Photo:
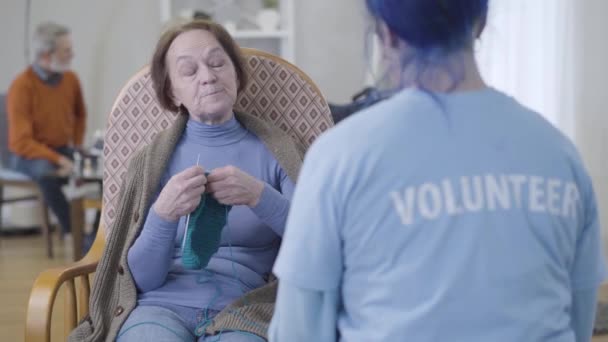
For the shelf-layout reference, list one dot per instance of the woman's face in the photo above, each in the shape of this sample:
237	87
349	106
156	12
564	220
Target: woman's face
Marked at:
202	76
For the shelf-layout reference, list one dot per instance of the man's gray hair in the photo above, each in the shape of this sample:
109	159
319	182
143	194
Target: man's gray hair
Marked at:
45	38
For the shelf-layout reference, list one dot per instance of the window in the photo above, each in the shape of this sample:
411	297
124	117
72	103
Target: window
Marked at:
528	51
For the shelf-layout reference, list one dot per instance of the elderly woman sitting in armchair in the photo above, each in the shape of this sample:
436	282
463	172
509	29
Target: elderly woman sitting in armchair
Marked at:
230	171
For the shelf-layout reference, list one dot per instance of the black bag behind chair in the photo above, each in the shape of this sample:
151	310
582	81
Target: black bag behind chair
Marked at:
361	100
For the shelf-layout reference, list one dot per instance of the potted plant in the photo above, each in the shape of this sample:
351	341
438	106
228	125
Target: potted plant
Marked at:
268	18
271	4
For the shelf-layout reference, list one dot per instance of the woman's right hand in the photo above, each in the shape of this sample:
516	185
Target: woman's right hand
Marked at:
181	195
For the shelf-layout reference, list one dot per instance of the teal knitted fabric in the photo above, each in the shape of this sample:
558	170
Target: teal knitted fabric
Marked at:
204	232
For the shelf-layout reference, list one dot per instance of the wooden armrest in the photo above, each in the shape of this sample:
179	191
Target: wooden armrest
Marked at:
48	283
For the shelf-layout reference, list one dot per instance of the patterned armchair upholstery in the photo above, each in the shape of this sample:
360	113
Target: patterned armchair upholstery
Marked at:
278	92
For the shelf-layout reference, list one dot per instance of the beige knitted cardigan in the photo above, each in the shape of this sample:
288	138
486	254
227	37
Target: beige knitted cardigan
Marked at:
114	294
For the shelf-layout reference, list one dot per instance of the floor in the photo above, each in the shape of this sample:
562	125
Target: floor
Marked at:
22	258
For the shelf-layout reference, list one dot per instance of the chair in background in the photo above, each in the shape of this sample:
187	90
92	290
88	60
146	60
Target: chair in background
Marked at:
13	179
278	92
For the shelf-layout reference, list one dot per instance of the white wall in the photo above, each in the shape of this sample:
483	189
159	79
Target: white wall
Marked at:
329	45
591	105
112	39
11	32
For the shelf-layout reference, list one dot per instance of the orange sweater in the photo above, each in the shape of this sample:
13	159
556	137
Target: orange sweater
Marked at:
43	117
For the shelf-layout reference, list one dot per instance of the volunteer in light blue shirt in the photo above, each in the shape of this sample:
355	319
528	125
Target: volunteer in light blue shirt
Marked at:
449	212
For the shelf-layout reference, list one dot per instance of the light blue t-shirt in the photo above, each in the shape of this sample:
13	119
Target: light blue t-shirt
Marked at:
464	217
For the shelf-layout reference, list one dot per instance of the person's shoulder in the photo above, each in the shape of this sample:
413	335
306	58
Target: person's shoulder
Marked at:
264	134
70	74
348	138
541	130
24	79
72	77
548	138
362	129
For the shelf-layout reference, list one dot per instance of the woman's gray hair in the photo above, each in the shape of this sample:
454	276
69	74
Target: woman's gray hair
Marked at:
45	38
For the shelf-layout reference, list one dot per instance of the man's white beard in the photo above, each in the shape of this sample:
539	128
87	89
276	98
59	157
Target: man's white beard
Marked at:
58	67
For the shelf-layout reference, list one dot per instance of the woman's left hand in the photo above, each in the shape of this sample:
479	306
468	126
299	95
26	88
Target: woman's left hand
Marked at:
231	186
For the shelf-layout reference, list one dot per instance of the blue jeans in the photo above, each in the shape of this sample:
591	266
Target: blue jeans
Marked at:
41	170
159	323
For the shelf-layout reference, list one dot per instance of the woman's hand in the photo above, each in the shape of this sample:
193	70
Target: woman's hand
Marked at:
231	186
181	195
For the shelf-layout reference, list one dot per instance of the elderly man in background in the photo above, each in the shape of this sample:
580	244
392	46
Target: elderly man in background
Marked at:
46	117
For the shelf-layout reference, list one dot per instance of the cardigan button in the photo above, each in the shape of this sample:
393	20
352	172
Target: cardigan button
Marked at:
121	270
119	310
136	217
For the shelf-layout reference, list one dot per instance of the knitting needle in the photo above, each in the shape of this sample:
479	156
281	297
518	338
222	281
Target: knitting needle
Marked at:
188	217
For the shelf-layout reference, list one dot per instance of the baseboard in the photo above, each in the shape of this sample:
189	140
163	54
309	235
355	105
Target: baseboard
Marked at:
14	230
19	231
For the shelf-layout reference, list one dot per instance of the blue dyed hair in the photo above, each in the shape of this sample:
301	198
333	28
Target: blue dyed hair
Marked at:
431	24
433	28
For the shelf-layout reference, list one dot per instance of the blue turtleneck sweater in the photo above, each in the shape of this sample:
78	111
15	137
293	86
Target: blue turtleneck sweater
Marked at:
250	239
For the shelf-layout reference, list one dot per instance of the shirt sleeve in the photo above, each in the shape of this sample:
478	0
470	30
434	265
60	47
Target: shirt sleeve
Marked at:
583	314
589	267
310	256
151	255
273	206
304	315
